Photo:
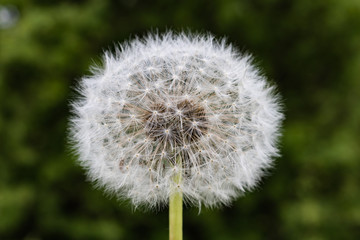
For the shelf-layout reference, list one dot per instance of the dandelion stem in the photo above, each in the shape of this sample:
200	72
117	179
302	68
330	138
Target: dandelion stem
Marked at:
176	206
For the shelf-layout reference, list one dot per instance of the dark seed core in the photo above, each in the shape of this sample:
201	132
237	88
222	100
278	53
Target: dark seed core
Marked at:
177	125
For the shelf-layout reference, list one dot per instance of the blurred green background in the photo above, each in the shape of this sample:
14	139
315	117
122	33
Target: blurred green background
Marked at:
310	49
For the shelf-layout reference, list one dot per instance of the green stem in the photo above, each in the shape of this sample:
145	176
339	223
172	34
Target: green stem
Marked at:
176	206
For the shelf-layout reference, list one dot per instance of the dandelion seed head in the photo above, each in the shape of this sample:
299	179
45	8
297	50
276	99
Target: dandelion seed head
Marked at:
176	95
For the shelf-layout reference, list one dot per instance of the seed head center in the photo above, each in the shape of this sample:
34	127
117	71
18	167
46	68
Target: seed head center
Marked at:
179	124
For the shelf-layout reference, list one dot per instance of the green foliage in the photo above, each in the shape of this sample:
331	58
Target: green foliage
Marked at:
309	48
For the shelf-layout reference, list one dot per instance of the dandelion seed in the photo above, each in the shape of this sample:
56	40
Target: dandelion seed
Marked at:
176	95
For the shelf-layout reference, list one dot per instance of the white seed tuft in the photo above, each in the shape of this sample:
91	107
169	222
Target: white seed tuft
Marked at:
170	95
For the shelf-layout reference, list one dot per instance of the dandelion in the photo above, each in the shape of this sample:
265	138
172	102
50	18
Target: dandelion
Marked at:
176	116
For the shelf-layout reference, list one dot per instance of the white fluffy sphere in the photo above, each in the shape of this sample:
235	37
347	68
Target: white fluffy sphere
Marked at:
175	96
